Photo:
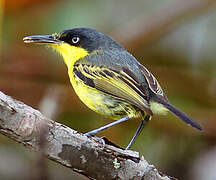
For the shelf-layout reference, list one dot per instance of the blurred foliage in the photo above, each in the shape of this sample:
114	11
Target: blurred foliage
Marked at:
183	61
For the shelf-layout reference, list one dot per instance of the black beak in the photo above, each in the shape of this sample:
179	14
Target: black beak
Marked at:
42	39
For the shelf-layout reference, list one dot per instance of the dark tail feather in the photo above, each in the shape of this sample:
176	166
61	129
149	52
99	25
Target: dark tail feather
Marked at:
184	117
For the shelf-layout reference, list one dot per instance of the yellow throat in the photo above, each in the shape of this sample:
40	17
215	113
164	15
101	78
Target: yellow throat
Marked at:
70	53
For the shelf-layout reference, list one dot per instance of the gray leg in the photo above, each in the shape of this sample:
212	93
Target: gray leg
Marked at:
96	131
139	130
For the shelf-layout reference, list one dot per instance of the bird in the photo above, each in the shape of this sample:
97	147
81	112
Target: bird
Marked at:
108	79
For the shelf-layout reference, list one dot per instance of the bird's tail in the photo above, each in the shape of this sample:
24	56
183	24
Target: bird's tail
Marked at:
184	117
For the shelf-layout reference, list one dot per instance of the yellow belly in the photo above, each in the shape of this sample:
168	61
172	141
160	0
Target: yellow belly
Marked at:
102	103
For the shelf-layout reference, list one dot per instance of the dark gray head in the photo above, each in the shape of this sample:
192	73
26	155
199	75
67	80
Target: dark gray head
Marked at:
89	39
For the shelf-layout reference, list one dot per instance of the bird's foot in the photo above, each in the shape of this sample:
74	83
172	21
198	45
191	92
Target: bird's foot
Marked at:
100	140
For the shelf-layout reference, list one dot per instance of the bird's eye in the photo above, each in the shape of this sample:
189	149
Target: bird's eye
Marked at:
75	39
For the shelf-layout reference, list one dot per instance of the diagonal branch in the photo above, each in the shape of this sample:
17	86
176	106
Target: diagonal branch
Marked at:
71	148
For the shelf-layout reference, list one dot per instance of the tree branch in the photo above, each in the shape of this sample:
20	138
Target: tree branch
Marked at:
70	148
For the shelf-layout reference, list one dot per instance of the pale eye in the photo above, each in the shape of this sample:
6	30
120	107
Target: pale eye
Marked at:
75	39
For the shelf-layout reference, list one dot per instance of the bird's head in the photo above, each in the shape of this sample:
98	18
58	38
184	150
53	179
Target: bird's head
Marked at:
75	44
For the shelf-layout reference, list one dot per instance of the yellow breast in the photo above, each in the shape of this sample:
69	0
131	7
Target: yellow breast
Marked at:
71	54
89	96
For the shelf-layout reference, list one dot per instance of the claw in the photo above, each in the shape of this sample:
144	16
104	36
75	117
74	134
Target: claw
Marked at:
99	140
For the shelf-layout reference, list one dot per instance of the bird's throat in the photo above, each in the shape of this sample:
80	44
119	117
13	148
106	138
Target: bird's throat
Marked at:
70	54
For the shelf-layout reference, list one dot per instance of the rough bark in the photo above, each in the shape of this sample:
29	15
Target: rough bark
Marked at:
70	148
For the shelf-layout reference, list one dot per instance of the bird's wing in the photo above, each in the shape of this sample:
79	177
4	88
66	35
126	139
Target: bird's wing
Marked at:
121	84
153	84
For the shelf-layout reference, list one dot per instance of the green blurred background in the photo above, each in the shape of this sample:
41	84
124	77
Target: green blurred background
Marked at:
174	39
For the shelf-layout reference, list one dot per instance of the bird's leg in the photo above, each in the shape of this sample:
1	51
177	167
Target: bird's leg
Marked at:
139	130
96	131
